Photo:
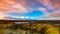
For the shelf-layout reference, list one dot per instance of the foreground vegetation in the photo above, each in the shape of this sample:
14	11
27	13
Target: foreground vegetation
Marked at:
38	28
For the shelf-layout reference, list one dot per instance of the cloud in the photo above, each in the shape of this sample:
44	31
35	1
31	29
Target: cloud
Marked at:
2	15
54	14
10	6
44	10
7	5
18	18
53	4
24	6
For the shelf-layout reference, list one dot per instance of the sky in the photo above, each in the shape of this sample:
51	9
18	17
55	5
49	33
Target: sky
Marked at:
34	9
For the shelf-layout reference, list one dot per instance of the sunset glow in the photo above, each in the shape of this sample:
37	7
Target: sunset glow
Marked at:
44	8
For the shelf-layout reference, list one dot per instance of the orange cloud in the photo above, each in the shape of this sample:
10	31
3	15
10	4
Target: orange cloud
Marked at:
10	6
7	5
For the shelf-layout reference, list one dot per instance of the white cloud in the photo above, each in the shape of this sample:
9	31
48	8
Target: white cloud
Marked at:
19	17
44	10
